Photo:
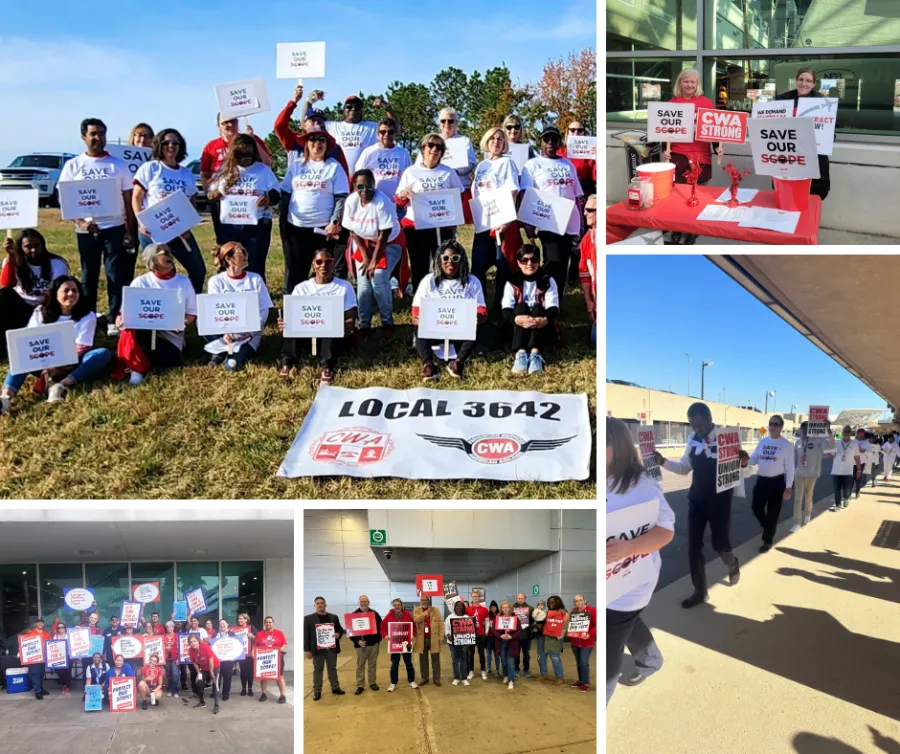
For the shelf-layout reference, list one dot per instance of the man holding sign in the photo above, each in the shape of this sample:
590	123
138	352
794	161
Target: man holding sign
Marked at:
398	628
31	654
322	632
815	438
106	236
364	628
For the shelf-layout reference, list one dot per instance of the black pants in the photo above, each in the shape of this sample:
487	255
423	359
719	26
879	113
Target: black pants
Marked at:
717	513
255	239
15	313
479	645
464	349
164	356
200	680
682	165
768	495
822	185
626	629
485	255
526	340
246	674
242	355
843	483
300	246
328	350
422	246
214	209
557	250
226	673
107	248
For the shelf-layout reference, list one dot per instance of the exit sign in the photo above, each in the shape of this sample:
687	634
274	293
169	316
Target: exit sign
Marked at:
377	537
536	590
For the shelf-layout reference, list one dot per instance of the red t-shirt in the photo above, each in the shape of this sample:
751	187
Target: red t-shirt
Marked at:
201	656
213	155
273	639
170	646
479	612
699	150
152	674
588	253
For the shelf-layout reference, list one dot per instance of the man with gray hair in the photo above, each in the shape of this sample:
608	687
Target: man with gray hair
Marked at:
367	645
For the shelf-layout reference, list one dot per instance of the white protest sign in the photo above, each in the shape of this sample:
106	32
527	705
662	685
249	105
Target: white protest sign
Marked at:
79	642
492	209
305	60
817	424
629	523
728	463
544	211
57	656
313	316
670	122
196	601
785	148
134	157
519	155
144	593
131	614
823	111
31	649
240	98
228	313
18	208
79	200
457	154
239	209
448	319
153	645
266	665
130	647
648	453
777	109
581	148
579	625
33	349
168	219
437	434
228	648
437	209
78	599
505	623
325	638
152	309
122	696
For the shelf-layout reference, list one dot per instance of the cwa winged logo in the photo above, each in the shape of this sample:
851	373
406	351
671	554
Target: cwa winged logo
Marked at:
496	448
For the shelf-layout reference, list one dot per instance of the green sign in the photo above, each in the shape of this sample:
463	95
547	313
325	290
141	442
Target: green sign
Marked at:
536	590
377	536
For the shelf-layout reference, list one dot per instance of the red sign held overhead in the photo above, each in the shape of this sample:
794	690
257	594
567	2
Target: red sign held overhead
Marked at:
429	585
725	126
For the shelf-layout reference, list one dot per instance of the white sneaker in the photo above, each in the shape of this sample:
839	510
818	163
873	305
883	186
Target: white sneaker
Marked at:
175	696
506	679
412	685
136	378
111	330
465	683
483	676
455	683
56	393
511	686
795	527
392	687
471	675
805	520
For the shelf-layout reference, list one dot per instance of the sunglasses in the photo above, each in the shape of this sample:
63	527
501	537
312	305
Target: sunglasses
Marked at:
243	156
450	258
576	130
550	138
528	260
590	210
386	133
775	424
514	128
451	120
171	143
325	262
441	147
364	186
353	106
317	139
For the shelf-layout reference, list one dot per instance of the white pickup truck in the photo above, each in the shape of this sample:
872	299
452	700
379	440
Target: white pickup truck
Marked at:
40	170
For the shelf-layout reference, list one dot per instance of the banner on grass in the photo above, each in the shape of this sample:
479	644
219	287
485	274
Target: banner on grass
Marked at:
624	575
728	464
724	126
437	209
34	349
492	209
817	424
462	630
131	614
144	593
90	200
579	625
670	122
228	648
122	694
545	211
18	208
196	601
400	637
130	647
785	148
31	650
648	453
79	642
169	218
300	60
240	98
553	626
220	313
153	645
266	665
441	434
57	654
152	309
360	624
429	585
93	698
134	157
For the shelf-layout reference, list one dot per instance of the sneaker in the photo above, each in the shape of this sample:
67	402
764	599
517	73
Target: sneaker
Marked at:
455	369
429	372
216	708
65	690
471	675
326	376
5	405
764	547
528	674
584	688
795	527
144	705
483	676
135	378
374	686
111	330
283	699
359	690
576	684
465	683
535	363
694	600
175	695
505	679
200	704
510	686
263	697
231	365
834	508
632	679
243	692
845	506
805	520
57	393
735	576
520	365
392	687
412	685
455	683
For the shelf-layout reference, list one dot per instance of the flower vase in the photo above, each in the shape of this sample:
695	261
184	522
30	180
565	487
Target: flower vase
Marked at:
733	202
693	201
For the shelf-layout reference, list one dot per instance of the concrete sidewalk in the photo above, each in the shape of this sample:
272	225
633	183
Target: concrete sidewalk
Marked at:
803	655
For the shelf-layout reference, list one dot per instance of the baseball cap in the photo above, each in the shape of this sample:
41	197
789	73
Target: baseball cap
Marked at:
353	97
551	130
316	115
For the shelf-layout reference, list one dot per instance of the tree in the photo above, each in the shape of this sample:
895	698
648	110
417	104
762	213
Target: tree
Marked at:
412	104
569	88
450	88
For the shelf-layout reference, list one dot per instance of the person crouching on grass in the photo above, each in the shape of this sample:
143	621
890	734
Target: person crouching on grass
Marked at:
136	357
150	686
206	665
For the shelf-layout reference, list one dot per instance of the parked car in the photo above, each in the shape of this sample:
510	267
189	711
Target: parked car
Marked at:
202	201
39	170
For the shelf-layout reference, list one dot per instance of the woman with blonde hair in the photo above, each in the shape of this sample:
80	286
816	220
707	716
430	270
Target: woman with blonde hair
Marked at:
507	643
689	91
515	132
141	135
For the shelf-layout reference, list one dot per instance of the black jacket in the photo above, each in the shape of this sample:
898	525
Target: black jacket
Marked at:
369	638
309	632
795	95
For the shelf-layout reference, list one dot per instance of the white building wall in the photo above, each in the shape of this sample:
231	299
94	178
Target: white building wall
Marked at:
280	602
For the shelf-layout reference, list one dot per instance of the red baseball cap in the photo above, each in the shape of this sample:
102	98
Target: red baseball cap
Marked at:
353	97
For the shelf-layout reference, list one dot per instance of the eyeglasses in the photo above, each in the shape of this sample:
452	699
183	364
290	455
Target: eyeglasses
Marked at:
449	120
440	147
450	258
386	133
590	210
320	262
171	143
364	186
243	156
528	260
353	106
514	128
576	130
775	424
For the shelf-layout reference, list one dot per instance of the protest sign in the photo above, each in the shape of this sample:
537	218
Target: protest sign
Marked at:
130	647
648	449
148	592
243	635
78	599
91	199
448	319
519	155
122	694
554	624
239	209
18	208
152	309
785	148
57	654
184	657
93	698
437	209
313	316
98	643
462	629
131	614
220	313
579	625
196	601
79	642
817	424
728	463
180	609
823	111
31	650
777	109
169	218
505	623
492	209
267	665
724	126
303	60
670	122
358	624
451	595
544	211
400	637
429	585
153	645
457	154
581	148
628	523
228	648
134	157
442	434
34	349
240	98
325	637
524	615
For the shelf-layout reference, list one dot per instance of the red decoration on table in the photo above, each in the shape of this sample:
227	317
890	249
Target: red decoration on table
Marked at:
736	177
691	176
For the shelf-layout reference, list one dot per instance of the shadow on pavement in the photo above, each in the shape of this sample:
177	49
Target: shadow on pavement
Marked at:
850	582
810	743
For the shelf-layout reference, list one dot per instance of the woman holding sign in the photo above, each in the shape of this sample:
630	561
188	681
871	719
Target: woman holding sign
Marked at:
64	302
628	484
246	665
459	652
170	651
63	674
583	642
507	630
806	84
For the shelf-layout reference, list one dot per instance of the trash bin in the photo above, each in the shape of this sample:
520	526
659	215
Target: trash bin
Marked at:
638	151
17	680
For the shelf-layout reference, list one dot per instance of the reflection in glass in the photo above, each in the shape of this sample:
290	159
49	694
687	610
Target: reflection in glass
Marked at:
110	584
242	591
18	601
55	577
164	573
192	575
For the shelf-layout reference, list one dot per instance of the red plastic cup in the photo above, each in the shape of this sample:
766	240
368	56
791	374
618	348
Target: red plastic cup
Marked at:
792	194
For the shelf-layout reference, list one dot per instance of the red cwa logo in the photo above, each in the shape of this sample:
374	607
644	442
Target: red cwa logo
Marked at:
354	446
495	449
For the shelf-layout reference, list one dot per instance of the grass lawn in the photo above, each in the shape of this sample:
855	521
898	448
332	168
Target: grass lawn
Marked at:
199	432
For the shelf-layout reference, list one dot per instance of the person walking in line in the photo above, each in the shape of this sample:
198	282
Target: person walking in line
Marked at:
861	472
889	451
844	468
874	458
479	612
524	611
774	455
807	468
705	505
399	615
429	631
367	646
458	652
322	657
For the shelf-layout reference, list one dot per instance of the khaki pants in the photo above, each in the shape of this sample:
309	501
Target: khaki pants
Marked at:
803	497
366	656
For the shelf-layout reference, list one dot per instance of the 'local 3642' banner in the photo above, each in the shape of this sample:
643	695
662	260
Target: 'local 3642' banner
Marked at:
443	434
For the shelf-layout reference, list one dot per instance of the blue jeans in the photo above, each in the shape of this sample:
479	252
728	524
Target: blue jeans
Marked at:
37	679
542	655
91	366
460	657
594	334
395	667
582	661
556	661
254	238
492	652
525	653
107	248
188	254
173	675
508	661
377	290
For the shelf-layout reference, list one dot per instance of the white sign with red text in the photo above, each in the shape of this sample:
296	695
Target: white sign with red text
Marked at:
313	316
670	122
728	458
581	148
777	109
817	424
437	209
240	98
784	147
492	209
91	199
169	218
625	524
152	309
448	319
300	60
648	450
239	209
18	208
545	211
823	111
34	349
220	313
148	592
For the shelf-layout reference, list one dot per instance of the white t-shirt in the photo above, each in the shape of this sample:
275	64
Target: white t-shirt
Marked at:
464	174
336	287
418	179
387	165
223	283
159	180
353	138
87	168
177	283
843	454
491	175
530	295
449	289
312	186
646	489
256	180
40	285
84	327
774	457
379	214
555	177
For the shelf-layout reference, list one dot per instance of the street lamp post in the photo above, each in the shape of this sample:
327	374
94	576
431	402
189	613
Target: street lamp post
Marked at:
768	393
690	359
703	365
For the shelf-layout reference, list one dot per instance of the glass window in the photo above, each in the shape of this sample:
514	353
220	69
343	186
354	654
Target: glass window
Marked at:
192	575
242	591
110	584
18	602
164	573
631	84
55	577
651	25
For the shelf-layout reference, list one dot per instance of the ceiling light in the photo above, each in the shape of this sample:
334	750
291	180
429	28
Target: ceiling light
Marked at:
87	553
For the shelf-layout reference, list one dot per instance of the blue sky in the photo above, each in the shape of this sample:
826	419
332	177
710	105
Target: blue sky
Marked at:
651	323
63	61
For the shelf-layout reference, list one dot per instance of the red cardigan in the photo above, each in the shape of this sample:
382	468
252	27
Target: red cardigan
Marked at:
592	631
288	137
